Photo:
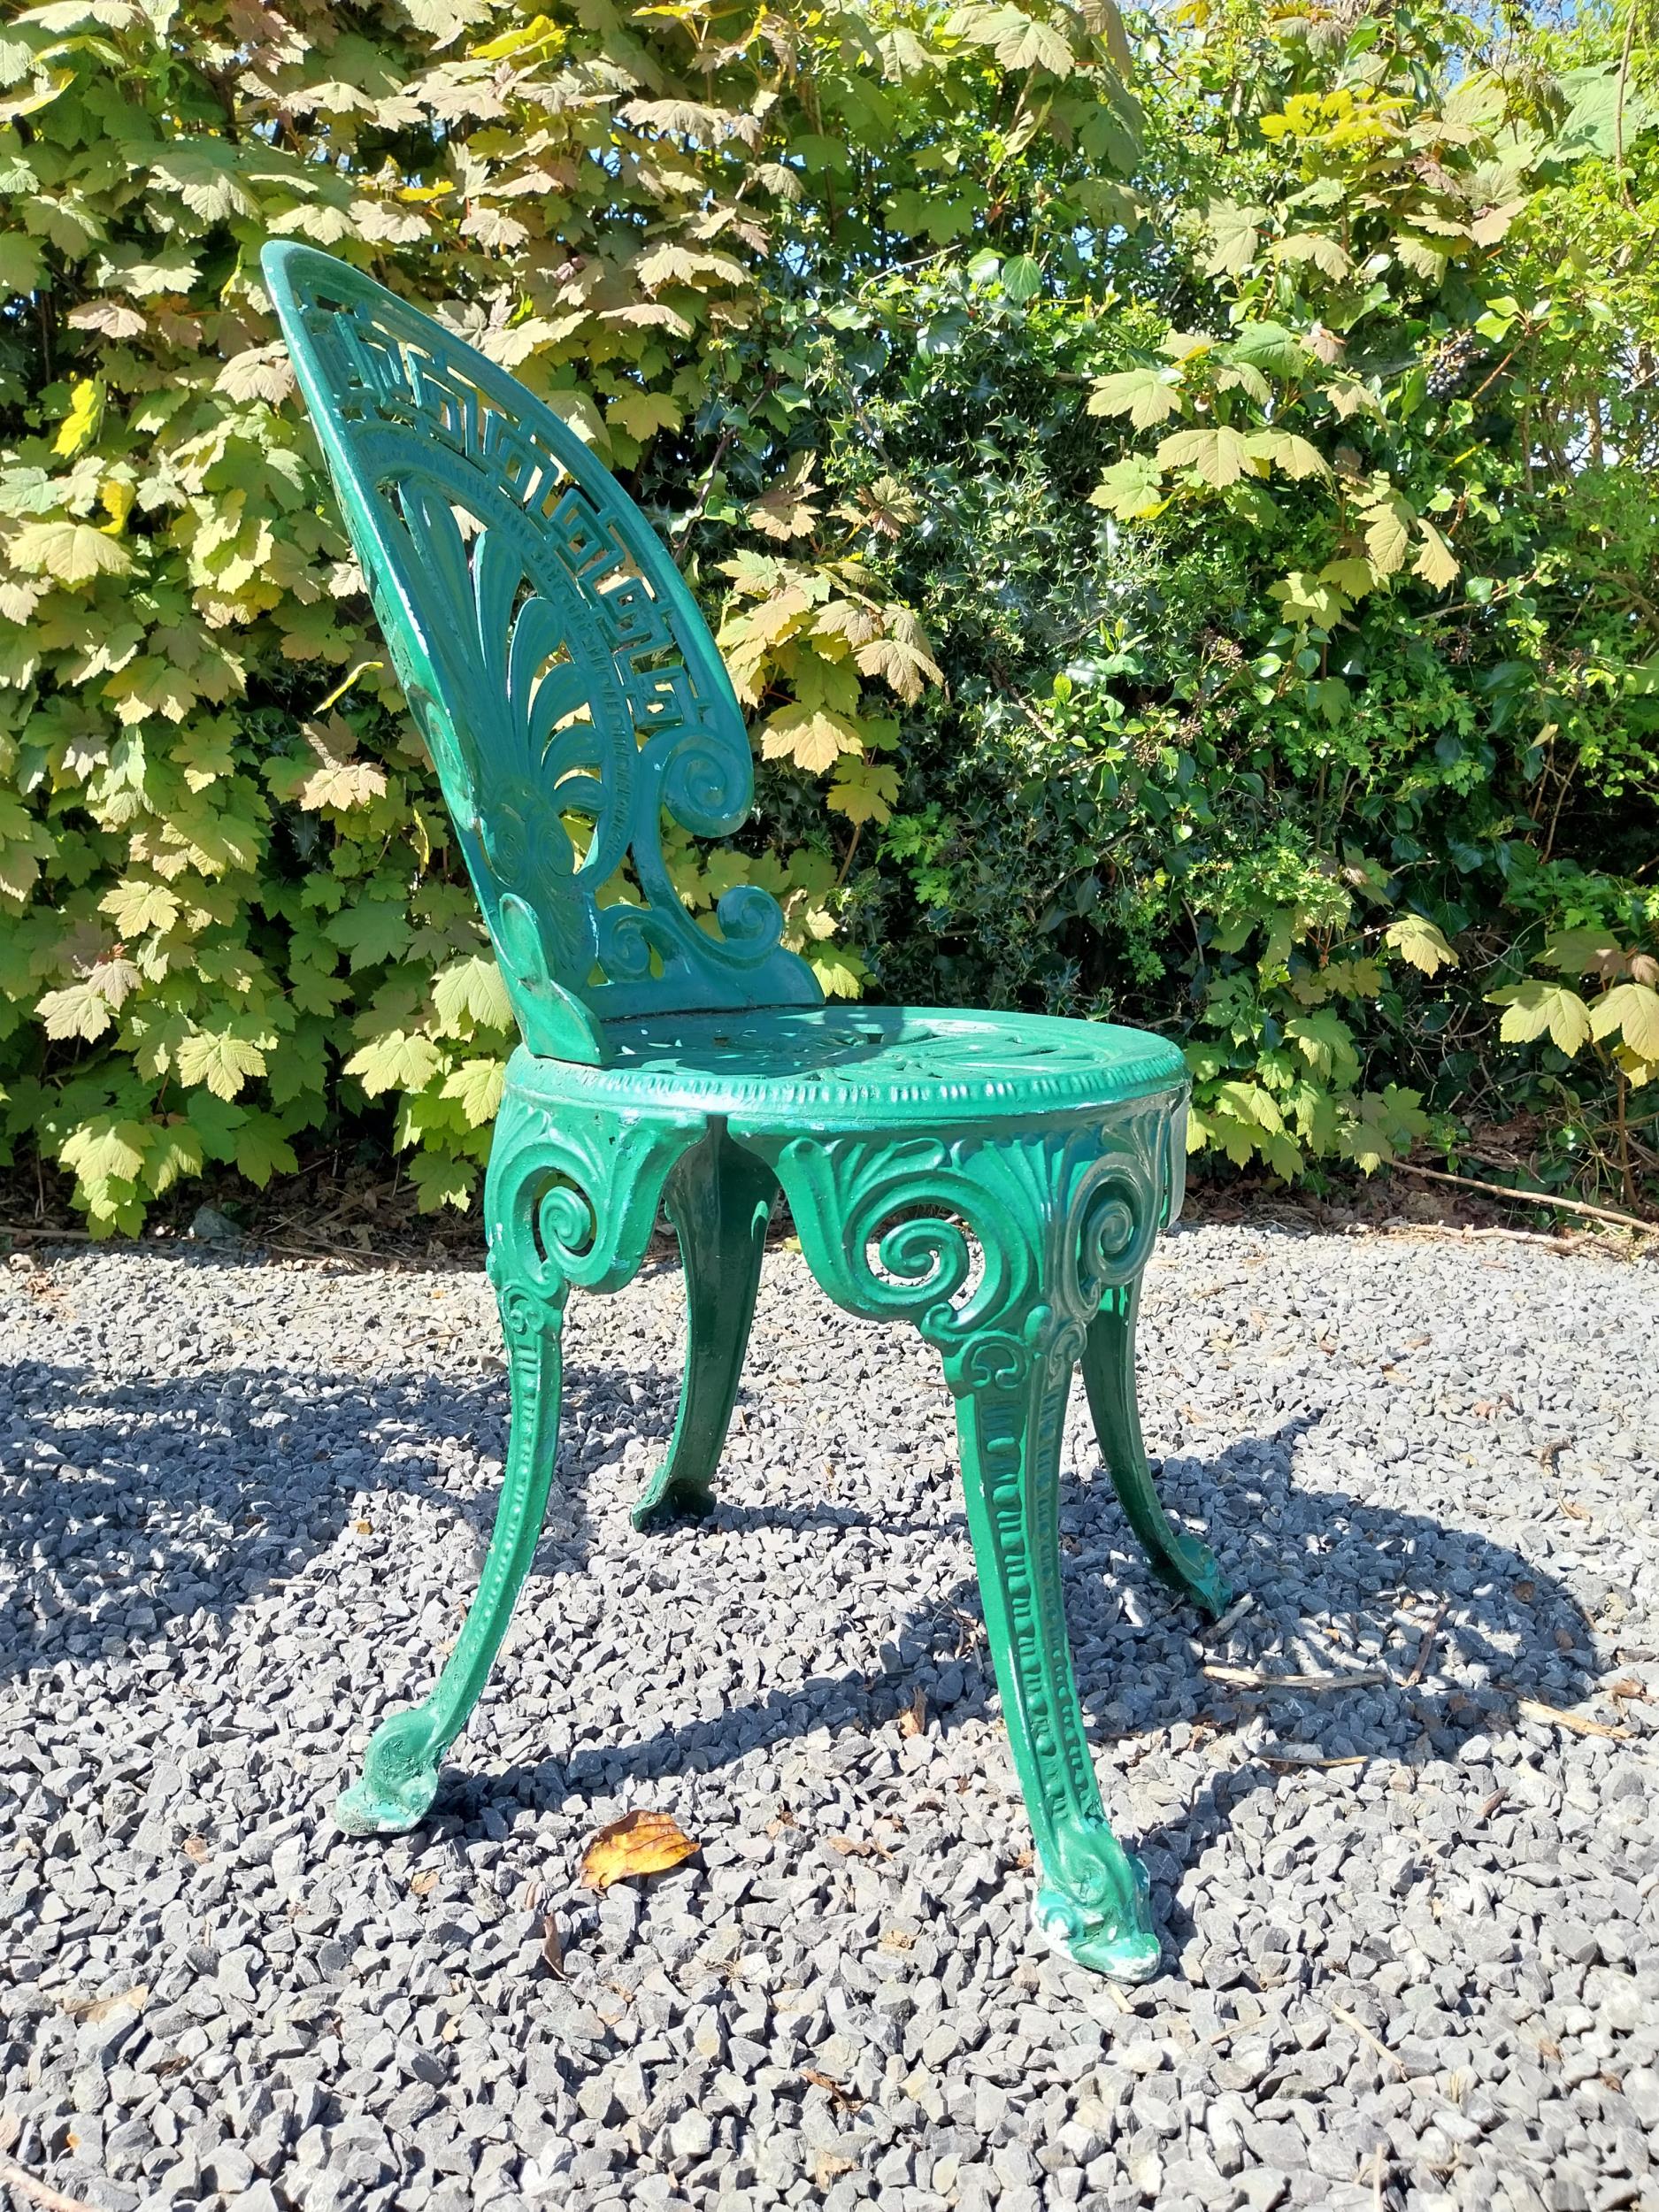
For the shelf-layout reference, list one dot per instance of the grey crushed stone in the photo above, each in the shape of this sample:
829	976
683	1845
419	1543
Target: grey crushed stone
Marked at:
241	1506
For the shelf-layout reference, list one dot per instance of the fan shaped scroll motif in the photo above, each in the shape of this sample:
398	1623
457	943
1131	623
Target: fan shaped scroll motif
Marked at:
563	680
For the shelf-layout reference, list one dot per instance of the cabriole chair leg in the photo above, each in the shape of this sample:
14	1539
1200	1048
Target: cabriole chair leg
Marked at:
1108	1377
719	1199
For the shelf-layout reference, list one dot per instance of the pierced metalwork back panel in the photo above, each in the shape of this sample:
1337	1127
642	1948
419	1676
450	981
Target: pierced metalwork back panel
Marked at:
557	667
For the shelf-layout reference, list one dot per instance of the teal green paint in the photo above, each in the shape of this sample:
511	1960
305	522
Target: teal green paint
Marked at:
996	1180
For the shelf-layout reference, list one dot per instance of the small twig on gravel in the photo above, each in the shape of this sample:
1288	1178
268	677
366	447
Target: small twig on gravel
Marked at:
46	1236
1351	2020
1425	1649
15	2177
1294	1765
1234	1613
1248	1678
1580	1724
1549	1200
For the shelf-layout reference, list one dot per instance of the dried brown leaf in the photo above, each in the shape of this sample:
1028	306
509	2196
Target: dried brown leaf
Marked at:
843	2099
640	1843
913	1719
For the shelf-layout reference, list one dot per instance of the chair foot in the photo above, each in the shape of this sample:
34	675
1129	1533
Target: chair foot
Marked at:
668	1496
1125	1949
399	1781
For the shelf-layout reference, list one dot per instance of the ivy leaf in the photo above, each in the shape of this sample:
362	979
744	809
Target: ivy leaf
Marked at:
1535	1006
1146	396
1417	939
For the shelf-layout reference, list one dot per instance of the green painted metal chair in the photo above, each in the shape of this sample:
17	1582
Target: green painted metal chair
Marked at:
996	1179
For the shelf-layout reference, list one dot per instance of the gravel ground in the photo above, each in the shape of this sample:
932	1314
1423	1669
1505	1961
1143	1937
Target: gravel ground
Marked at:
1411	1957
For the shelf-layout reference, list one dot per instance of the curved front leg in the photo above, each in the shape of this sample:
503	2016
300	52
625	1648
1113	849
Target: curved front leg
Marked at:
1010	1408
571	1198
719	1200
1055	1216
1109	1376
400	1772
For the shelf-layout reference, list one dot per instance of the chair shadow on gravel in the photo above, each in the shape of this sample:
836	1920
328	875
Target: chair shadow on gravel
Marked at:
1310	1560
166	1496
185	1495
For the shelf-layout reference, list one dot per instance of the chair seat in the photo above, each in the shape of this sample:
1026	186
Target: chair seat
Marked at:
863	1067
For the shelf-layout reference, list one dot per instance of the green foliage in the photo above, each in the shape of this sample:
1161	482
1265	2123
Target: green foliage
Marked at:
1189	558
232	910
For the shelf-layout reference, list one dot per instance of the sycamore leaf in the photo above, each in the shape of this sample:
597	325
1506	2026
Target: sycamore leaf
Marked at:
261	372
642	414
1388	518
397	1060
80	425
1417	939
901	663
218	1058
478	1084
1633	1009
1220	456
1286	451
136	906
812	737
1145	395
638	1843
869	796
1233	234
471	991
341	784
78	1011
1131	489
1349	575
1315	246
1535	1006
1436	563
371	931
107	1148
1305	599
1586	952
73	552
440	1181
263	1151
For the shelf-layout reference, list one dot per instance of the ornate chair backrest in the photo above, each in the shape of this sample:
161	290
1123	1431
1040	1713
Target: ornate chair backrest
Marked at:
565	682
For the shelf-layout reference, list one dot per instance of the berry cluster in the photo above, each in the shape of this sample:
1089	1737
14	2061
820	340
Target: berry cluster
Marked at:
1450	362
